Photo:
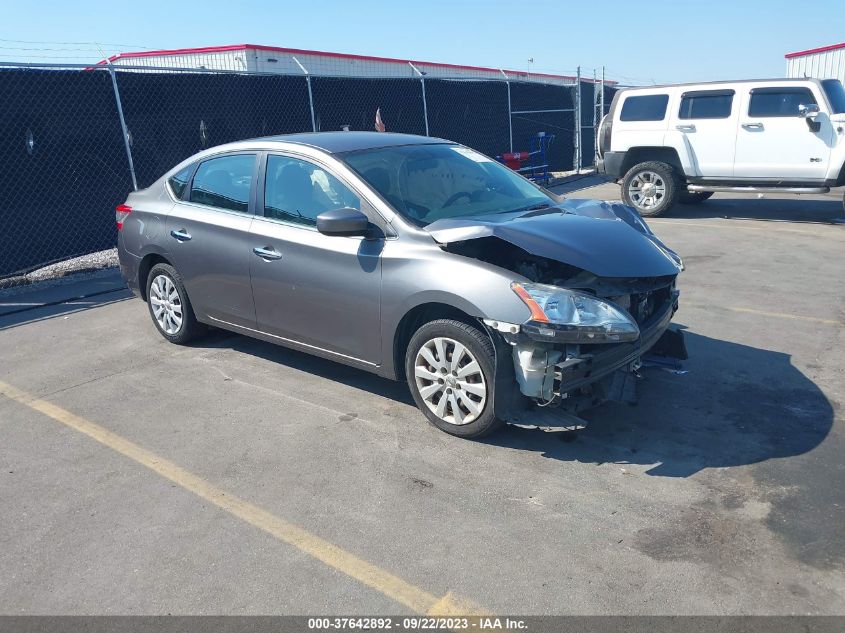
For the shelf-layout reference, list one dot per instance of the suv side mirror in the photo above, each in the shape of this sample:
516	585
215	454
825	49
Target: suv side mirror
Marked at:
808	110
343	222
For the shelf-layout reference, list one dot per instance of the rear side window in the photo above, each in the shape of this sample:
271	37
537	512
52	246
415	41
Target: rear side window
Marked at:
774	102
179	181
644	108
224	182
706	104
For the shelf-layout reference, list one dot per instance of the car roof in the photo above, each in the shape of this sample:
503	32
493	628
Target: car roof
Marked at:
341	142
725	81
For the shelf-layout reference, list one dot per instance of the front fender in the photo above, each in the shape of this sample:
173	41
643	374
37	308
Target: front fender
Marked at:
426	274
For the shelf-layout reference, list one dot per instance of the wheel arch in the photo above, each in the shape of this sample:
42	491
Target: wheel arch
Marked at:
418	316
147	262
668	155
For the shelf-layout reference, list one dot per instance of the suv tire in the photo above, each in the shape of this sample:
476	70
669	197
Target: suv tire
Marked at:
450	367
693	197
170	307
651	188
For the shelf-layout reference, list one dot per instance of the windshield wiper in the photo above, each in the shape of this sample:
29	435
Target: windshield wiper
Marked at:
530	207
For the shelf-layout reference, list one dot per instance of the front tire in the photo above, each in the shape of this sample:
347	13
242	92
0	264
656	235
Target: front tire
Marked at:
450	367
652	188
170	307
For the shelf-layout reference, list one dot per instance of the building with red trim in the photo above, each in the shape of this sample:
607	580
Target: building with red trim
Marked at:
824	62
293	61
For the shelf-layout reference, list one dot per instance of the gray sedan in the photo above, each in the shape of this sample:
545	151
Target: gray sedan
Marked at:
410	257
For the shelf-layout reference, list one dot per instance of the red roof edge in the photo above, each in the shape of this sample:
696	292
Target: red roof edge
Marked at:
300	51
810	51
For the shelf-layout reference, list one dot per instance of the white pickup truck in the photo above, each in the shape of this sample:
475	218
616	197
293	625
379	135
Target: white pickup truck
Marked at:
682	143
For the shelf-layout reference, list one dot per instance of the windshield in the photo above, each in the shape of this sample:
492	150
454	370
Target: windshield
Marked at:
426	183
835	94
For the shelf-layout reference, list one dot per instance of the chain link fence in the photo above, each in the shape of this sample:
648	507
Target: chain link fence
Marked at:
74	140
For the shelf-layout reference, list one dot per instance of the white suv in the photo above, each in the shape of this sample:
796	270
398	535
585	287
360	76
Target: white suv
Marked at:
682	143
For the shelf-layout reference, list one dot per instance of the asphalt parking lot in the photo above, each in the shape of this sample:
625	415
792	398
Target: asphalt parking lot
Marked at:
241	478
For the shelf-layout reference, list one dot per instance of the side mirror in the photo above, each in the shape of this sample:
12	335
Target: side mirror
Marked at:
808	110
343	222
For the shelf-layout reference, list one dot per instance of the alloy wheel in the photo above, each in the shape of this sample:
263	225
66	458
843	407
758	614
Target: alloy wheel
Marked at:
450	381
647	189
166	304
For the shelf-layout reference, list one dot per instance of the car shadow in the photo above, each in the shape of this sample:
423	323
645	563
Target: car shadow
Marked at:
793	210
737	405
301	361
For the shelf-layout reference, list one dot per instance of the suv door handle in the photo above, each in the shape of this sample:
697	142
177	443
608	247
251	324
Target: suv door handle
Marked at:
182	235
753	126
685	128
267	254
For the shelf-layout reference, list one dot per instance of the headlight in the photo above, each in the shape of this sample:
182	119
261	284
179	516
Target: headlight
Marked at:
575	317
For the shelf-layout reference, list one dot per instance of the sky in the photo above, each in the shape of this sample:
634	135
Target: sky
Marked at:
651	41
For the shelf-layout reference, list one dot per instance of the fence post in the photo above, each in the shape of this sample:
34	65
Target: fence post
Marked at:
596	120
602	93
310	94
510	112
123	127
578	121
425	102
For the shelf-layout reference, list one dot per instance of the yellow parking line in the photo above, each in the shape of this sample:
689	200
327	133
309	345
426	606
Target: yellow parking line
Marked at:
783	315
777	315
732	226
403	592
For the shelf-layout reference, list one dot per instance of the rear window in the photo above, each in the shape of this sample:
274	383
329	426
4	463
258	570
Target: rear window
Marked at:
778	102
644	108
706	104
224	182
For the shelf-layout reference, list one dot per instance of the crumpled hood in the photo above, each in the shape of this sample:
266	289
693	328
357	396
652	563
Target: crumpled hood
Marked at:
606	239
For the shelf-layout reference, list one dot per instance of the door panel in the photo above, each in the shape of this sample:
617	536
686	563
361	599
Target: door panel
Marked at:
209	240
214	262
320	290
774	143
707	120
323	291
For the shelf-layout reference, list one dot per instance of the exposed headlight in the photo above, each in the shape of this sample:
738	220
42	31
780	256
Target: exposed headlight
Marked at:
576	317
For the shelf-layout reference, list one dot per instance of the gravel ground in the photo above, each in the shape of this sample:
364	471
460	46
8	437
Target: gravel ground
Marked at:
64	272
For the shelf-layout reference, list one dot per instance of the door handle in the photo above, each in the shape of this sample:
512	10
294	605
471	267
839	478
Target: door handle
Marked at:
267	254
685	128
753	126
182	235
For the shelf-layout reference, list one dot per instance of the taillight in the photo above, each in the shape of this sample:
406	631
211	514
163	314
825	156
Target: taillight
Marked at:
121	211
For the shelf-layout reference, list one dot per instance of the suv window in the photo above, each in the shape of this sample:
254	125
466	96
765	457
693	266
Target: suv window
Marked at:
179	180
835	94
298	191
774	102
644	108
224	182
706	104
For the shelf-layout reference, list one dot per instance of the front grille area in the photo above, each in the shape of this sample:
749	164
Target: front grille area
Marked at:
645	304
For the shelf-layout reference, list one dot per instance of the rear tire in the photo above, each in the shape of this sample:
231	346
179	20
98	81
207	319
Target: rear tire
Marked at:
450	367
170	307
652	188
693	197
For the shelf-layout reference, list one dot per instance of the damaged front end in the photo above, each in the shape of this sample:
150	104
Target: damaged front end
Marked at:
555	376
601	291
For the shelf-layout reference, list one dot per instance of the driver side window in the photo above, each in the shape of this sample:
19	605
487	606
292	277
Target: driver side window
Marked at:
298	191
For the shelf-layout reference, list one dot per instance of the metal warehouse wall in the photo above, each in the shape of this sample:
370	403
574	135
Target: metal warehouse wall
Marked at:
828	64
